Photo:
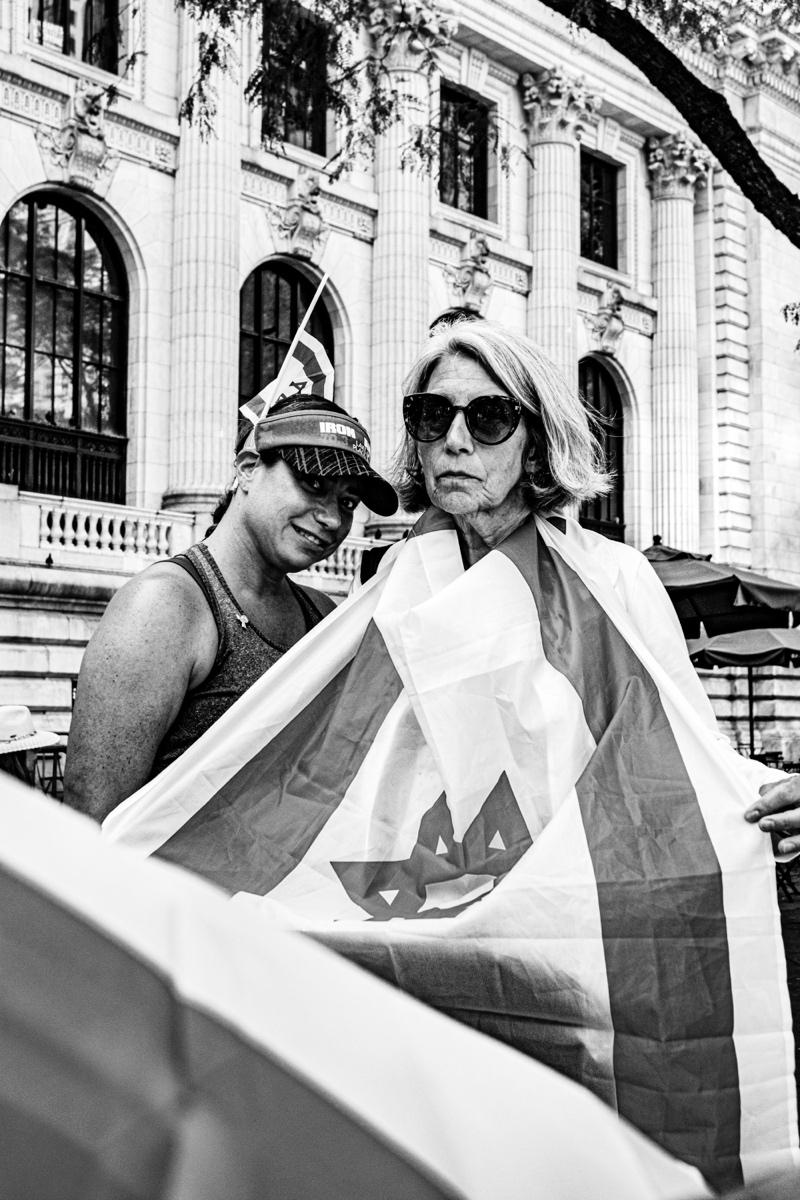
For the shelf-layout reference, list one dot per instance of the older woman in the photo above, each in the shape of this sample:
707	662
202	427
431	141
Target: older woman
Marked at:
493	778
493	434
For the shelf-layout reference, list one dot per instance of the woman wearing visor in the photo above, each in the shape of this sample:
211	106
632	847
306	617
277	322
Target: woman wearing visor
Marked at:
181	642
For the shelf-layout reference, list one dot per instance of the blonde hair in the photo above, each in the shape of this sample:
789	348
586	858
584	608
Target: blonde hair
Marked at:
565	451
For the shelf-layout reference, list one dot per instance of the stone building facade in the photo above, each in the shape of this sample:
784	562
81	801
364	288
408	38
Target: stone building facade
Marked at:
150	278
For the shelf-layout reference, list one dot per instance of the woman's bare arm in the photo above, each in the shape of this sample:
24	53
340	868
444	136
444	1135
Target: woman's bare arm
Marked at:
157	640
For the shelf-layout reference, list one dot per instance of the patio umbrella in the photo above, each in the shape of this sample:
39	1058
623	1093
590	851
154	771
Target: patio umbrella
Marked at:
723	597
748	648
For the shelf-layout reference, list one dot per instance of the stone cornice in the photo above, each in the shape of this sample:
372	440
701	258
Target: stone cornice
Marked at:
508	271
638	313
775	78
140	142
502	74
42	106
33	103
269	187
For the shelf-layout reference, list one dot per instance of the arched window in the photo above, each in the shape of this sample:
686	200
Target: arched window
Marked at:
605	514
273	302
63	333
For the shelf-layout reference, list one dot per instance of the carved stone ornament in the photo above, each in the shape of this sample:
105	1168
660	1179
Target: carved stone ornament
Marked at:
407	29
677	166
77	153
300	226
558	106
762	39
606	326
470	282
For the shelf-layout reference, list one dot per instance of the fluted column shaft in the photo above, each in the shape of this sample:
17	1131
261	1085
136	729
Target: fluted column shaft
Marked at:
205	298
677	166
557	107
399	260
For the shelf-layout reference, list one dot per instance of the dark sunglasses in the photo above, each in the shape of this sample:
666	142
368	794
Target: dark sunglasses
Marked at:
490	419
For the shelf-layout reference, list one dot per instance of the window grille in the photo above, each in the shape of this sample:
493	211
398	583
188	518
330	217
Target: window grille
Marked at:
63	334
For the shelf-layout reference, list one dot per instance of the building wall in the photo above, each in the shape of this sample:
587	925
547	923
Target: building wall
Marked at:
739	386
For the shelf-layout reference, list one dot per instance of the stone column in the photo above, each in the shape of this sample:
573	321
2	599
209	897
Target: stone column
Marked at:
400	256
677	166
205	297
557	107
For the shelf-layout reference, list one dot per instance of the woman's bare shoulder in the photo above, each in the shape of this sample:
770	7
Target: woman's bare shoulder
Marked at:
162	597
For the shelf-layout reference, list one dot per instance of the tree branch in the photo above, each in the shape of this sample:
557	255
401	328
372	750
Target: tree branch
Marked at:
706	111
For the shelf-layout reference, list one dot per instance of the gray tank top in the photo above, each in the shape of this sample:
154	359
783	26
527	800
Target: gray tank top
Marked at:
243	655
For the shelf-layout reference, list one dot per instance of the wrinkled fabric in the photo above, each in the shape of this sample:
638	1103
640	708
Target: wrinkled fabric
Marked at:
503	790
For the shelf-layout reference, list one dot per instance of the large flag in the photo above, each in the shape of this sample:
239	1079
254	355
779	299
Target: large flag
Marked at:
502	789
157	1045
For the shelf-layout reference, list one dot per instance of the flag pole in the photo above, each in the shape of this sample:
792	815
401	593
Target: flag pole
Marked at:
285	365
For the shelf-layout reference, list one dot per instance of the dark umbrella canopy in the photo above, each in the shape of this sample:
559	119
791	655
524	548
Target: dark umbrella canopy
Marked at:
748	648
724	597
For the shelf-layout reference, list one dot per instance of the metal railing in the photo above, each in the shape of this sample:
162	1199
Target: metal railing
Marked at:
62	462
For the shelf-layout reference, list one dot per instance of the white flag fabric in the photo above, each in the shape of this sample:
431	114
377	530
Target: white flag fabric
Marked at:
156	1044
502	789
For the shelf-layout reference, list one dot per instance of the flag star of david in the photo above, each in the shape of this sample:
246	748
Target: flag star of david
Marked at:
442	876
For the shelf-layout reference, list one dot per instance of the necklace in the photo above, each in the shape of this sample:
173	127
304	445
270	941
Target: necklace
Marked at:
242	616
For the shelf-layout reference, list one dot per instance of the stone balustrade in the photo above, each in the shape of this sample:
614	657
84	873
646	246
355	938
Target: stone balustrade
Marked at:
86	527
59	531
336	573
55	531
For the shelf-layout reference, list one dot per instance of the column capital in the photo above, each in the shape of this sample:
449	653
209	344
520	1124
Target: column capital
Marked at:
677	165
409	33
557	106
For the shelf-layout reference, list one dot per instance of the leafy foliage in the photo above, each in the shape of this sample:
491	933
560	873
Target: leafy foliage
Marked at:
365	97
700	21
791	313
358	89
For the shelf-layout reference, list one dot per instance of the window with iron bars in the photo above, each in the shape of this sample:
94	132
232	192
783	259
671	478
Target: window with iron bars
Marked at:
599	238
88	30
465	123
63	334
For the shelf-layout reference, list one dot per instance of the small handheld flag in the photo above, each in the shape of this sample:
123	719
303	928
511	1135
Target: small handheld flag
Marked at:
306	369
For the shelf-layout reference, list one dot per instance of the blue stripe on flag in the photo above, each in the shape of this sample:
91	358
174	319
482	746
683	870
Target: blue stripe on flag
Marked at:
315	371
658	881
260	824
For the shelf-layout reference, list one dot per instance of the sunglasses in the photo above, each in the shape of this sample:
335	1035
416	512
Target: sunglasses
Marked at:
489	419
